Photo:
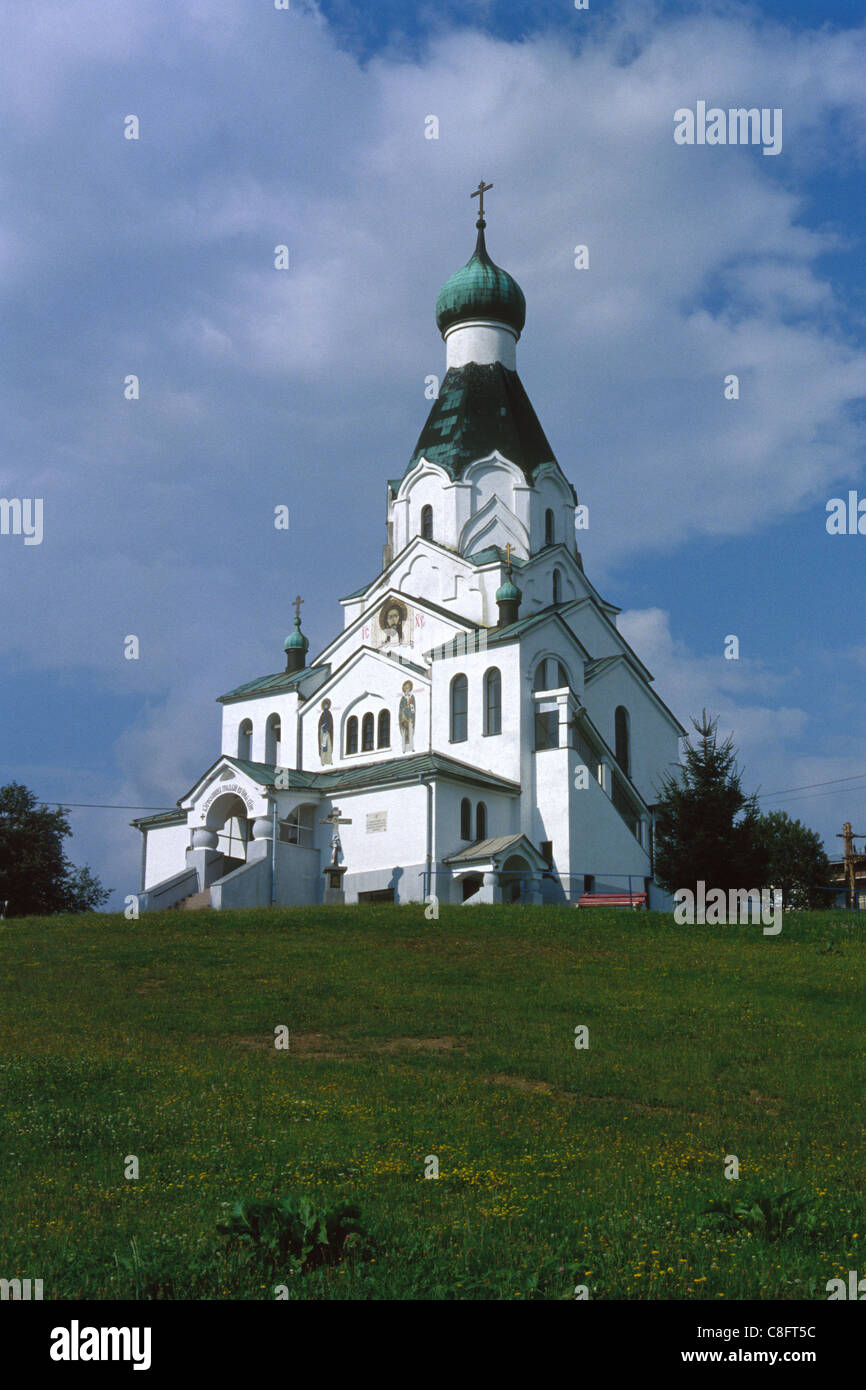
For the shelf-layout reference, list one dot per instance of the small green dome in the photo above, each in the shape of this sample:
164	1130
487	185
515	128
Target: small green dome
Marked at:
480	290
297	639
508	592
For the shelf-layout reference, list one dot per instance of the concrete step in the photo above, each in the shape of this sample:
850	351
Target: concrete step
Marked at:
196	901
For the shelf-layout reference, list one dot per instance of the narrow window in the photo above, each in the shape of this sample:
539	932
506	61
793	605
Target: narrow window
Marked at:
465	819
367	724
548	527
481	821
541	682
547	852
272	740
561	676
492	701
427	523
557	587
352	735
245	739
384	739
621	739
459	709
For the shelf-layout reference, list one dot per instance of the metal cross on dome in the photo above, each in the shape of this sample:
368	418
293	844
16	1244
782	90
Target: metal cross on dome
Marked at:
298	602
479	194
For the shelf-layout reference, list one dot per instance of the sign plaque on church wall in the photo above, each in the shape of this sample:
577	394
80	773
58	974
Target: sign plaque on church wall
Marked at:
376	820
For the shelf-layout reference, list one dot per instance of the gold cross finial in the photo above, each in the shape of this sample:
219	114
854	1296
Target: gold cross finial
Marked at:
298	602
479	194
508	549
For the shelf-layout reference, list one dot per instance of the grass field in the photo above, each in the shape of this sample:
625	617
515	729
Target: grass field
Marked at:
407	1038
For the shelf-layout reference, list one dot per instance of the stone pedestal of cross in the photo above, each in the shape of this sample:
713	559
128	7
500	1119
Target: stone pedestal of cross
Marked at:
334	870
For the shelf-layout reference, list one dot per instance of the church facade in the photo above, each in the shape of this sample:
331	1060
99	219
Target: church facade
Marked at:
479	730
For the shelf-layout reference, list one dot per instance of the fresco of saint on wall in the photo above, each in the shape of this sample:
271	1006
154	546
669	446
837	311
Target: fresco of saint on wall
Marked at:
326	734
406	718
394	625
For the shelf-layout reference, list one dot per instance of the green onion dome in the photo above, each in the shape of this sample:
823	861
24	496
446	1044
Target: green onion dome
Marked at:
508	592
297	640
481	290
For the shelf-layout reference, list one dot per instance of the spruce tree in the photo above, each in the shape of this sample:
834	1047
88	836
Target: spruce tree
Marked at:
707	828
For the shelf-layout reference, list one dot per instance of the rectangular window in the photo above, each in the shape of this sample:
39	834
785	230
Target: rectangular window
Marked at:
546	729
547	852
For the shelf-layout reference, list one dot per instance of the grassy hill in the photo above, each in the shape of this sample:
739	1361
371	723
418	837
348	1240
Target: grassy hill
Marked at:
454	1038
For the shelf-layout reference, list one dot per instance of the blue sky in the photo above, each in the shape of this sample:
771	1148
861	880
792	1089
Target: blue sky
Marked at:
306	127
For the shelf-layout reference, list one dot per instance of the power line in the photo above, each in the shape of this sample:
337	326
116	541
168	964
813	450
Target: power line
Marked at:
105	806
807	785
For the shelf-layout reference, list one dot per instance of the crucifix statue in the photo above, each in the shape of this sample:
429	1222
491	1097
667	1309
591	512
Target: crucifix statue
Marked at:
479	194
298	602
848	836
335	820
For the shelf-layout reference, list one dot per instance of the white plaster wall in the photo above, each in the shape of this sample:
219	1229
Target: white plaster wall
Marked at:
483	341
552	491
428	629
503	815
589	627
259	709
371	684
601	842
498	753
654	742
403	843
166	853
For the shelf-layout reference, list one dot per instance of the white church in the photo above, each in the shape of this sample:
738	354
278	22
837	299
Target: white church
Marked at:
479	730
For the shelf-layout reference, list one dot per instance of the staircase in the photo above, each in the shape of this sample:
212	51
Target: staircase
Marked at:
195	902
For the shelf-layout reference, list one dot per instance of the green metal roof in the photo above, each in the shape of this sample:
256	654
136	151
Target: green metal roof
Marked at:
492	553
269	685
377	774
594	668
480	290
161	818
481	408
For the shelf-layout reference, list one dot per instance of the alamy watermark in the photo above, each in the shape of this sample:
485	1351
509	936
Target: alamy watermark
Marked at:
736	906
22	516
738	125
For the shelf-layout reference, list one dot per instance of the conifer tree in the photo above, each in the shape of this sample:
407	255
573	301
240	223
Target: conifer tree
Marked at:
707	828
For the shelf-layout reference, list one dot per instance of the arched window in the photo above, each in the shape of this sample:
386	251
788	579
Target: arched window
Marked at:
367	732
621	739
352	735
299	826
272	740
557	587
245	739
384	739
548	527
481	821
459	709
492	701
550	675
466	819
427	523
